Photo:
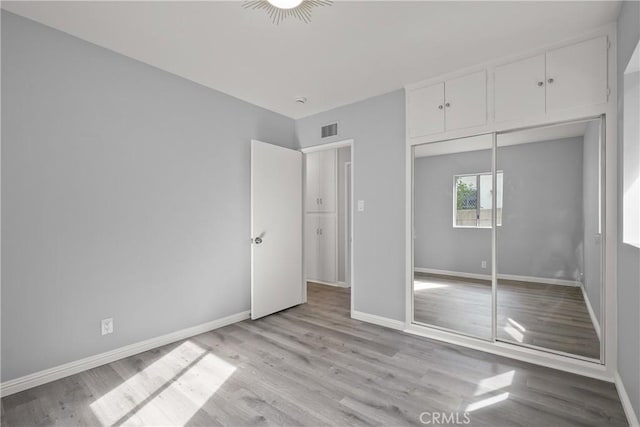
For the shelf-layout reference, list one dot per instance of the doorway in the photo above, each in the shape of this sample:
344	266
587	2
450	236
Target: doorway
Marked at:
328	215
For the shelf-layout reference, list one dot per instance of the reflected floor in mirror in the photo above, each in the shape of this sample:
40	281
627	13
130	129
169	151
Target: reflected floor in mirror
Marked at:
549	316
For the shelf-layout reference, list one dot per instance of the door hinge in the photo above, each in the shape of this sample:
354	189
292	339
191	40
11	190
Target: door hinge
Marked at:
608	44
608	93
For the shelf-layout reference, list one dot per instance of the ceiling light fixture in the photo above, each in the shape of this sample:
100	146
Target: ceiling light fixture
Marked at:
279	10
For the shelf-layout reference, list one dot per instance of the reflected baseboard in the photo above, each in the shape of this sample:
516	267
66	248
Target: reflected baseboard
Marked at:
592	314
530	279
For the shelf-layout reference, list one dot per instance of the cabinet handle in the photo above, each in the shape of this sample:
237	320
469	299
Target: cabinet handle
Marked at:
317	231
320	200
550	81
447	105
540	83
321	231
440	107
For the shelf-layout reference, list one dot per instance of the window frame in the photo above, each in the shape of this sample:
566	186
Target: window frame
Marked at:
455	199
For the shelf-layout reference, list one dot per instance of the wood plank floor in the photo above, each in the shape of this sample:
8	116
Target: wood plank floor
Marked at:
548	316
313	365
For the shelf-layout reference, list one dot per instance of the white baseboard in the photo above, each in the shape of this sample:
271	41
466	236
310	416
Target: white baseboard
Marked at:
626	402
378	320
336	284
592	314
71	368
543	280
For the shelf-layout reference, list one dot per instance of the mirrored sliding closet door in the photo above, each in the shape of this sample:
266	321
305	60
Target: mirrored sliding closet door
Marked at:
452	287
549	238
543	189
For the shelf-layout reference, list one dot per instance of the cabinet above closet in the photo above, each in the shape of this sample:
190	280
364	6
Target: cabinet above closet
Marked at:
453	104
560	79
562	82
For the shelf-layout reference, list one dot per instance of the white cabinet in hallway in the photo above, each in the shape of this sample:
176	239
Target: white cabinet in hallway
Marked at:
321	181
569	77
320	248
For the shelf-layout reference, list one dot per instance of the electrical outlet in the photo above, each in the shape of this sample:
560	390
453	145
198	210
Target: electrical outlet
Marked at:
484	264
107	326
360	205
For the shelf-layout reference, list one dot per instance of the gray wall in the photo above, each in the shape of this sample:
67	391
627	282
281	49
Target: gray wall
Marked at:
628	256
125	194
344	156
592	274
377	126
547	244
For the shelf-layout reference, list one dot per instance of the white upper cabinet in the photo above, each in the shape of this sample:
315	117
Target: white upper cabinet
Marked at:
466	101
425	110
520	89
571	81
570	77
320	194
577	75
455	104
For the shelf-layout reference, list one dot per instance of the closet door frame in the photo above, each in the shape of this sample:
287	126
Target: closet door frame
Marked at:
603	369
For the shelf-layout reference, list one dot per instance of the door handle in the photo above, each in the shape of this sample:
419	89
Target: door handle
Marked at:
257	240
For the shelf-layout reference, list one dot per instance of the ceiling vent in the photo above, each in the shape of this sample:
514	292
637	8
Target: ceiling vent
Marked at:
329	130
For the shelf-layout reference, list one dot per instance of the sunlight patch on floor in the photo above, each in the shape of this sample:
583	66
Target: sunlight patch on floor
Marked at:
169	391
423	285
484	403
495	382
516	324
514	333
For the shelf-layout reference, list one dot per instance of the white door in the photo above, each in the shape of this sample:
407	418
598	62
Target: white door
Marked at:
347	207
577	75
327	180
312	174
520	89
276	227
425	112
311	237
327	256
466	101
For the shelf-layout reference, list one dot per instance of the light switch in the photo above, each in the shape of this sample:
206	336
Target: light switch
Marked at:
360	205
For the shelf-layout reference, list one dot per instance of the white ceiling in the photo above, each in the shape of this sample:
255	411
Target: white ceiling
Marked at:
350	51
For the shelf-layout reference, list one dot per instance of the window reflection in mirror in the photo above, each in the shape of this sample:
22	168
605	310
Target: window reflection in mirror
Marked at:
452	244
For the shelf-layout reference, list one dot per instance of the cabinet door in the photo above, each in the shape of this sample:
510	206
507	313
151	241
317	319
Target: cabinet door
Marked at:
577	75
326	256
520	89
311	242
327	181
425	110
312	166
466	101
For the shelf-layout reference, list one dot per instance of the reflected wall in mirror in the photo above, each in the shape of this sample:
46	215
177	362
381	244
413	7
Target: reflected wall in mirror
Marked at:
452	235
549	254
